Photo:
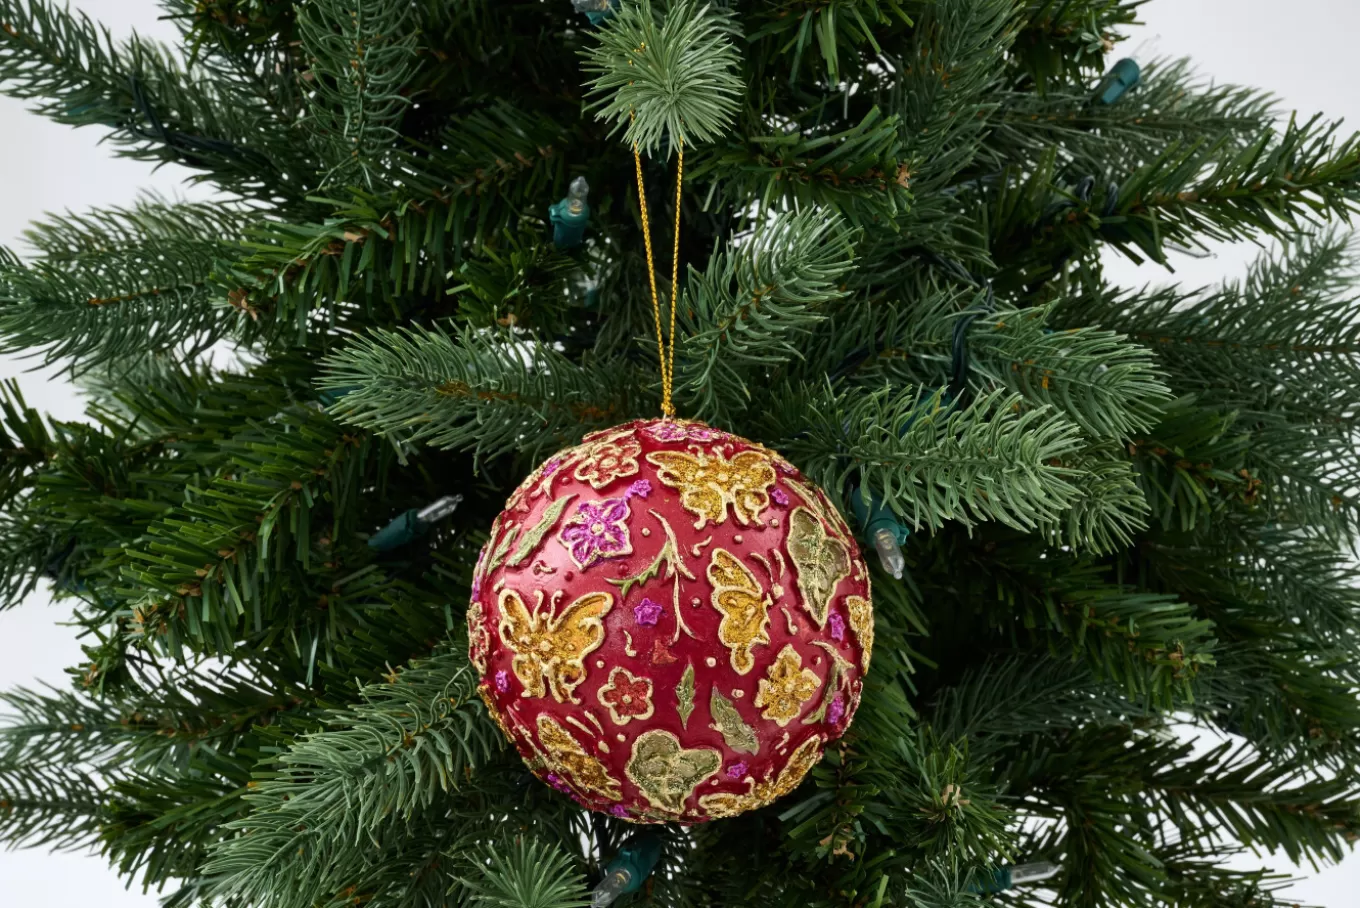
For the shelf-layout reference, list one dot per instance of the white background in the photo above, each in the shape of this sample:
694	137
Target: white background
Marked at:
1302	51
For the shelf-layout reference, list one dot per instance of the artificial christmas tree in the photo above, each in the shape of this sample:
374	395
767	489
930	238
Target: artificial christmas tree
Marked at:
1116	512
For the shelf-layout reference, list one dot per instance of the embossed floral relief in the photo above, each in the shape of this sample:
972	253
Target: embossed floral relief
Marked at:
709	485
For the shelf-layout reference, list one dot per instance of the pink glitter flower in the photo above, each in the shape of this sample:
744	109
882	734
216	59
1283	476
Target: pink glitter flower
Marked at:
737	770
598	530
640	489
552	466
620	811
502	681
556	782
647	612
779	497
837	710
837	627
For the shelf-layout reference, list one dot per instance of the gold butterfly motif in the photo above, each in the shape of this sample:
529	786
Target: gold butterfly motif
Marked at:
552	650
709	485
564	756
822	562
667	773
745	608
767	790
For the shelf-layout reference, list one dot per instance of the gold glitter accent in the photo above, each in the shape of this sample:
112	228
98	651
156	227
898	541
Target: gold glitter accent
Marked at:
609	460
552	648
646	531
675	569
709	485
620	738
822	562
738	692
786	687
861	612
542	568
666	773
572	720
737	539
788	620
710	662
697	549
767	790
628	644
484	692
564	756
479	638
745	608
626	696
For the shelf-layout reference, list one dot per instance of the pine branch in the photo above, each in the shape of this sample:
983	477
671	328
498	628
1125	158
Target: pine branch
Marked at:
362	56
751	307
474	392
664	78
522	874
405	745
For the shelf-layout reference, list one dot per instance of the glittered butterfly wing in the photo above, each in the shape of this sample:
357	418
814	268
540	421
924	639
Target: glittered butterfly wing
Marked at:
520	633
687	474
745	608
822	562
571	636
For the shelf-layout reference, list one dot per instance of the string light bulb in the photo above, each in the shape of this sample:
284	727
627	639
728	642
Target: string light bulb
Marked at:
882	530
595	10
413	524
571	215
1004	878
1122	77
629	869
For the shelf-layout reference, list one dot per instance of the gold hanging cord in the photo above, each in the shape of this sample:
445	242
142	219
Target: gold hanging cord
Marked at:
665	349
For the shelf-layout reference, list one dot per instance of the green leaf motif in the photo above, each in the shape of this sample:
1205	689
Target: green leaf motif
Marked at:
728	723
502	547
529	542
684	695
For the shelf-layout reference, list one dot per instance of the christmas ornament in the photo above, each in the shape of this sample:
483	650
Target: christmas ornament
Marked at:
670	623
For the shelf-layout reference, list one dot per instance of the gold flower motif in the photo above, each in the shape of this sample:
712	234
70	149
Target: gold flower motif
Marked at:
626	696
822	562
553	649
609	460
665	772
708	485
861	613
745	608
767	790
786	687
564	756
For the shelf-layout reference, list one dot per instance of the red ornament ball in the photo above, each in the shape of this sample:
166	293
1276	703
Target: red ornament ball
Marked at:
670	623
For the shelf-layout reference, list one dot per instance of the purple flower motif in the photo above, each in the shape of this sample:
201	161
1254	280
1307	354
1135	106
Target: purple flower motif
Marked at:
552	466
674	431
556	782
737	770
502	681
647	612
837	627
620	811
640	489
598	530
780	497
837	710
